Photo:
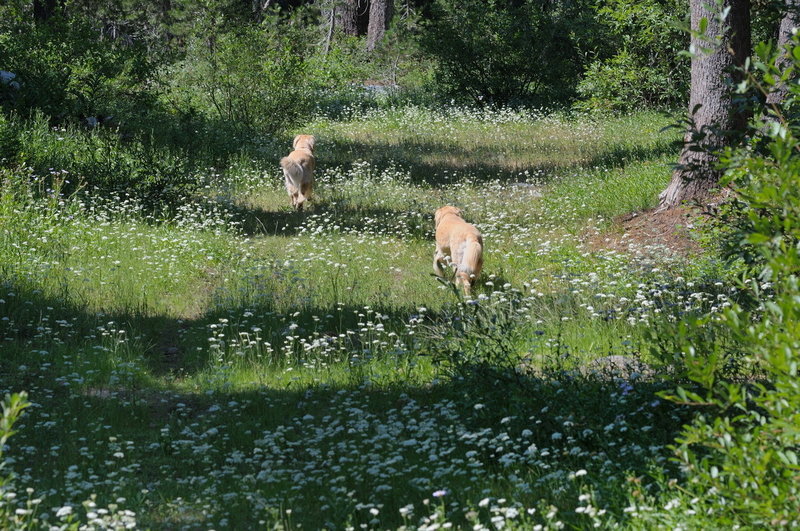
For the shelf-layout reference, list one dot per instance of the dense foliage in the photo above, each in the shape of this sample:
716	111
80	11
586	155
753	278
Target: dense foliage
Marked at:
66	71
255	77
738	456
222	59
641	65
501	52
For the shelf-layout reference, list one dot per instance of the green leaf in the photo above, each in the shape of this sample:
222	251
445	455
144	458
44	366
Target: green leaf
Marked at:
791	457
703	25
757	239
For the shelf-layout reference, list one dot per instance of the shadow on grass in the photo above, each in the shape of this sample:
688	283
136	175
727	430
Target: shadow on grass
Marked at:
593	423
346	217
409	221
444	163
539	431
59	331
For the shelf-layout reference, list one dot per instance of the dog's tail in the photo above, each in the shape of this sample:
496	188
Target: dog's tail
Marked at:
471	263
292	168
293	172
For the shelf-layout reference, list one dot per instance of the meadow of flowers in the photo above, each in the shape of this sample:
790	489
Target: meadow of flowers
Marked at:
227	363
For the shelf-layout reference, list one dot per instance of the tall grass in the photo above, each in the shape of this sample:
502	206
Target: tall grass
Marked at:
219	360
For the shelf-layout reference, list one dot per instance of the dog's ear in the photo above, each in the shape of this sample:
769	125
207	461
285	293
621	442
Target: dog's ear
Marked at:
295	141
310	141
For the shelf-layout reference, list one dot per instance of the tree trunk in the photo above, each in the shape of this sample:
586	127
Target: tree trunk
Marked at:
790	20
710	99
348	13
331	27
380	14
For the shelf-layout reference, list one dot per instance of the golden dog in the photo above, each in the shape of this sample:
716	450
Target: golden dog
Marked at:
298	170
458	243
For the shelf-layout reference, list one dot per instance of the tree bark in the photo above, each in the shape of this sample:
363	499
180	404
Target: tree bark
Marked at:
348	13
380	15
790	20
331	27
710	101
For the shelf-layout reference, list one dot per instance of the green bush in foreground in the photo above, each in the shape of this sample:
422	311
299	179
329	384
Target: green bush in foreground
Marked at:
739	455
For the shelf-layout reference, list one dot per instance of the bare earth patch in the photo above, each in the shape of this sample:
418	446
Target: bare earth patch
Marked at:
669	228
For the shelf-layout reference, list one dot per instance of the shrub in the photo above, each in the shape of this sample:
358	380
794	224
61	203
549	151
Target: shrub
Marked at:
102	160
500	53
739	455
645	67
253	77
67	71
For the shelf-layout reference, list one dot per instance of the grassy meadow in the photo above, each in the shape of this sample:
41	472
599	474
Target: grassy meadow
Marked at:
226	363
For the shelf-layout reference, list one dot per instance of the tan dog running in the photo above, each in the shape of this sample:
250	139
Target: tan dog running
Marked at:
458	243
298	170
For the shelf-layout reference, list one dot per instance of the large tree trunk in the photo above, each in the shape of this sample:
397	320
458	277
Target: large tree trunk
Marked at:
710	100
790	20
380	14
348	13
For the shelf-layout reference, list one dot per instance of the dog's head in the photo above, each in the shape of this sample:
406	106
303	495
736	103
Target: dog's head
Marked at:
443	211
304	142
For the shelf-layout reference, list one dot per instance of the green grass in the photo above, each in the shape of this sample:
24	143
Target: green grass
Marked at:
229	363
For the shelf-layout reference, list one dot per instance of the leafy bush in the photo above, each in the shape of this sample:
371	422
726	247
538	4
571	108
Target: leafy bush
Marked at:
739	455
253	77
103	160
67	71
499	53
645	67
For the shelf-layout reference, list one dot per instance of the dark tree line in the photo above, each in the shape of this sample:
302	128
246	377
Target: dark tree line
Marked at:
355	17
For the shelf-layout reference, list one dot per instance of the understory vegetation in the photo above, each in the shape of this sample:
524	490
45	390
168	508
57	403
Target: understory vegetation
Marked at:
180	349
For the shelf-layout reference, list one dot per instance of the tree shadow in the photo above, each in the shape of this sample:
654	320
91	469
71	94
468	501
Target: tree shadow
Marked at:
599	426
343	217
349	216
439	163
563	412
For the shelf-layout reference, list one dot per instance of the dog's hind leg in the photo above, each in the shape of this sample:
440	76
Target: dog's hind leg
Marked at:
306	189
438	259
464	279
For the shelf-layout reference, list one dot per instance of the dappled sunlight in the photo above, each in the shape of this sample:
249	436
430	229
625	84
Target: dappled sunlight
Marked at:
492	144
240	357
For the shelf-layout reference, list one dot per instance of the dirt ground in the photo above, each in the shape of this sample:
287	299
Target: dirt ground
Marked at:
669	228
